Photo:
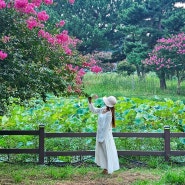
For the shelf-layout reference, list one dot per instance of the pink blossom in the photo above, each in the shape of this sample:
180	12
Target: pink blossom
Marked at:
31	23
78	90
5	39
41	33
44	34
78	80
51	40
61	23
30	8
2	4
92	61
48	2
70	68
42	16
86	64
96	69
68	51
40	25
47	36
9	5
69	89
3	55
62	37
20	4
81	72
37	2
71	1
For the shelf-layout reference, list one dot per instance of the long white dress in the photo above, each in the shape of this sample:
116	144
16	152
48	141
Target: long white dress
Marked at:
105	153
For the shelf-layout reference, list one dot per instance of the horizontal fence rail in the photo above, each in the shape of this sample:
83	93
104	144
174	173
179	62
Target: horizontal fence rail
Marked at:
166	135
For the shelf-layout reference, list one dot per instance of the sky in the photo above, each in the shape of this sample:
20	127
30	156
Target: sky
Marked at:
180	5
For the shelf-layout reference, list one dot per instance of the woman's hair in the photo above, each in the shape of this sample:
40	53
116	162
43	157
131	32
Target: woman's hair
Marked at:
113	116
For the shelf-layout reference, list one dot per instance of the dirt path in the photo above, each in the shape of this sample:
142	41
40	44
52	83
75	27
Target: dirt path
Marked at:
124	178
90	178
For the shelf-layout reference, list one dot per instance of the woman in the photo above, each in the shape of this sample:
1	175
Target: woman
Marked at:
105	153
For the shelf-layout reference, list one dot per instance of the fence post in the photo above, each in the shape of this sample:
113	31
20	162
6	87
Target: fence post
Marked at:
41	144
167	142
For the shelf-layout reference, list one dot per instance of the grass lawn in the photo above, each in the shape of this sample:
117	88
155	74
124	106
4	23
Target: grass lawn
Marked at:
106	84
89	174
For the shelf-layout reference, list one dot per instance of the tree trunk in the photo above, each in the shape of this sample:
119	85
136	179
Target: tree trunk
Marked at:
178	86
138	71
162	80
143	71
178	82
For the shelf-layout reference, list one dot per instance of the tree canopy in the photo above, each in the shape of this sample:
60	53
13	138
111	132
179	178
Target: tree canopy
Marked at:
144	22
127	28
169	56
35	59
95	23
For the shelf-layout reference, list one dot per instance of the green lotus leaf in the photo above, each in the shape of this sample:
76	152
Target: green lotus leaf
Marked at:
182	140
138	121
5	119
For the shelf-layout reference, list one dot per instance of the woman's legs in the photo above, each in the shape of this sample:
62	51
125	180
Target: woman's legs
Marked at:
105	156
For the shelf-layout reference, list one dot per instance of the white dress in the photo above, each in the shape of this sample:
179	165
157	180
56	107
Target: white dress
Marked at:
105	153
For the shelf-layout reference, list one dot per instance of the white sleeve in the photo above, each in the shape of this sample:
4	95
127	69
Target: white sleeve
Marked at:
103	130
94	109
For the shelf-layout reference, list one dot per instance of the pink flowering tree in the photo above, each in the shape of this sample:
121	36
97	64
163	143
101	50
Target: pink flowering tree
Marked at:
35	59
169	56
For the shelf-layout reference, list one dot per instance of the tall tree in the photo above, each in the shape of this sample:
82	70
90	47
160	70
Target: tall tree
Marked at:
33	61
144	23
95	23
169	55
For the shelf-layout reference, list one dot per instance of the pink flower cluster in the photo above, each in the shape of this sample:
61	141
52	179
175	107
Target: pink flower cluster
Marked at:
29	7
62	39
42	16
71	1
2	4
5	39
48	2
167	52
96	69
71	68
31	22
175	44
89	63
3	55
160	63
35	19
61	23
79	73
22	5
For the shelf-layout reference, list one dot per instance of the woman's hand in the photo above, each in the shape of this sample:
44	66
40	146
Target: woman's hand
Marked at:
94	96
90	99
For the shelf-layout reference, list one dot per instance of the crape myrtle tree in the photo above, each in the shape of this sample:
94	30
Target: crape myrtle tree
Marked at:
146	21
169	56
95	23
35	59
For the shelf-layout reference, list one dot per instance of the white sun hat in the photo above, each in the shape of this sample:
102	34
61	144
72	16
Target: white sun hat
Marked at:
110	101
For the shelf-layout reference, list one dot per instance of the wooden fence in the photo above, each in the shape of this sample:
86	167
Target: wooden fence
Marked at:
166	135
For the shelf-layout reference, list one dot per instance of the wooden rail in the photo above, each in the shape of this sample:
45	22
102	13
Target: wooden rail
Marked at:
166	135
